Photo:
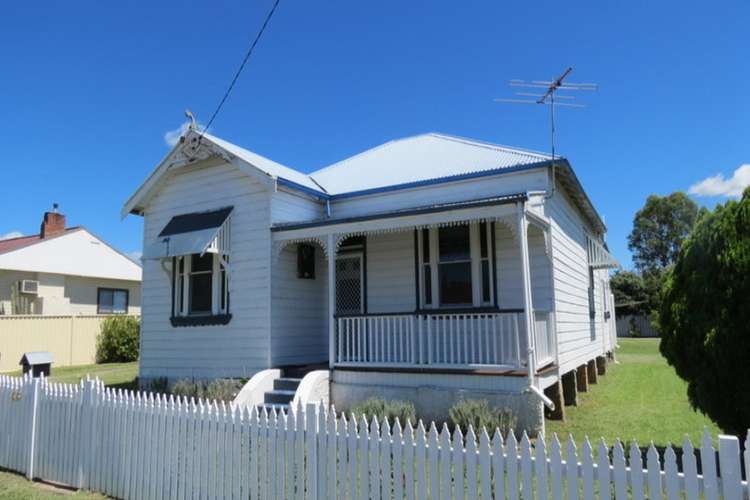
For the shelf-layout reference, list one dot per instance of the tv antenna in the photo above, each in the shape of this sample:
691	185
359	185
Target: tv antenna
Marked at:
549	98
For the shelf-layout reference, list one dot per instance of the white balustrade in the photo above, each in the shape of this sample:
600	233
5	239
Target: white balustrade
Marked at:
450	340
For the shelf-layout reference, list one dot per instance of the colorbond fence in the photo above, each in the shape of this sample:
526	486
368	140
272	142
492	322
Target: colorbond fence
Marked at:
133	445
70	339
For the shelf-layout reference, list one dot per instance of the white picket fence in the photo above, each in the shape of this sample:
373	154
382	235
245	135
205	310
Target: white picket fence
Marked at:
134	445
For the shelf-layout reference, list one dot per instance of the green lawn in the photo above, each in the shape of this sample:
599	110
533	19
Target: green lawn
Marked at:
114	374
16	487
641	398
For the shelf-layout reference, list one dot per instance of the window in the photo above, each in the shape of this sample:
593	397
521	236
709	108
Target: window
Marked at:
200	285
456	266
306	262
112	301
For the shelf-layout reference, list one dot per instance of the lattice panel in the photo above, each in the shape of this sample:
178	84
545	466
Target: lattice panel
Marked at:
348	285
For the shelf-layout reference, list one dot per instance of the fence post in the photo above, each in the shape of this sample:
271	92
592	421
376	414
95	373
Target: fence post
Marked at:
87	432
311	429
729	466
32	443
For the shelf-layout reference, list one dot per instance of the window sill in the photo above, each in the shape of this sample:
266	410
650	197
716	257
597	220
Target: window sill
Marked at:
218	319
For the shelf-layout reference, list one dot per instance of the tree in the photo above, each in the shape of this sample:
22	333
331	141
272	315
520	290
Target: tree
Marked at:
659	229
630	293
705	318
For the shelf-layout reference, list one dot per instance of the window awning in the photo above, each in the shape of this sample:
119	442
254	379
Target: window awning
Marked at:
198	232
599	257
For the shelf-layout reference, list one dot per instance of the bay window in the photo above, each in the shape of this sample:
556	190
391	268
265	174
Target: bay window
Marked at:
456	266
200	287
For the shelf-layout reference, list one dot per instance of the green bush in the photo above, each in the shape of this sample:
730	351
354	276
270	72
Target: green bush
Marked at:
118	341
379	408
704	318
219	389
478	414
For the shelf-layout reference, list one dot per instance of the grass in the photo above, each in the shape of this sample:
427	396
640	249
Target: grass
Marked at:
16	487
640	398
112	374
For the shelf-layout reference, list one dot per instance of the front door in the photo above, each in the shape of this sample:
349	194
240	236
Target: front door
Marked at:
349	284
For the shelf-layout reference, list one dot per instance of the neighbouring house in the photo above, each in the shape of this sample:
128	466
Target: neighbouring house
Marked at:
65	271
429	268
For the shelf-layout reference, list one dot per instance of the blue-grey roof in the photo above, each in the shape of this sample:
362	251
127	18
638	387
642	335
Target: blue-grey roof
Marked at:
36	358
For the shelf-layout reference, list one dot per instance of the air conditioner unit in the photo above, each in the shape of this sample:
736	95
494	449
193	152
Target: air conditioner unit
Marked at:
28	286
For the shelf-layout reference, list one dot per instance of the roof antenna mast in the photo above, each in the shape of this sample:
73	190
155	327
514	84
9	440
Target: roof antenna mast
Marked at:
548	98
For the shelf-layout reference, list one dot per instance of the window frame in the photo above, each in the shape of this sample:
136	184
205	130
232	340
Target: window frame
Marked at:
99	291
181	293
428	239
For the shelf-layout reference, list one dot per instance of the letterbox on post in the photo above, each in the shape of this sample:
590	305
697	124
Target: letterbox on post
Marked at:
38	363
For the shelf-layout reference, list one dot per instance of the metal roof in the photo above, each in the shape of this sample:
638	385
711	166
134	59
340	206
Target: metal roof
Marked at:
36	358
419	158
275	170
437	207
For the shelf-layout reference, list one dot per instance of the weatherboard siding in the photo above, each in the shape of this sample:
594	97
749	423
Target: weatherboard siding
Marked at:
471	189
241	347
299	311
391	285
578	337
508	269
290	206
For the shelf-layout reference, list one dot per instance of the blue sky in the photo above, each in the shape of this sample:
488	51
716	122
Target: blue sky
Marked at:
89	90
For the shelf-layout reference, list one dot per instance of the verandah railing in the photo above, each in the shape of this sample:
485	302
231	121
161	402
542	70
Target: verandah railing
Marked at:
442	339
145	446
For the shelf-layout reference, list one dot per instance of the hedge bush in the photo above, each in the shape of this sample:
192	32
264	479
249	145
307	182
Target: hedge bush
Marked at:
478	414
380	408
118	341
705	315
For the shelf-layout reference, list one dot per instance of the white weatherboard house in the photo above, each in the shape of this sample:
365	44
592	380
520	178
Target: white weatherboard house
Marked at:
65	271
429	268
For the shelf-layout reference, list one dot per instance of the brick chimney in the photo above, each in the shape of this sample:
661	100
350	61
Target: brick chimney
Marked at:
53	223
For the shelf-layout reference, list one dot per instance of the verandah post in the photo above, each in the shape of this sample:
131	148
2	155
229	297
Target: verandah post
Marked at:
527	298
331	251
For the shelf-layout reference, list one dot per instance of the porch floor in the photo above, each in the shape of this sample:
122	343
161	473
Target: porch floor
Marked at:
546	370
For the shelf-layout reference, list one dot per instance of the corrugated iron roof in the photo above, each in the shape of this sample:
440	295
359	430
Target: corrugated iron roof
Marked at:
402	212
270	167
419	158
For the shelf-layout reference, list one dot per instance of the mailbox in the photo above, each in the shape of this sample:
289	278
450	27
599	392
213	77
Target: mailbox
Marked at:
38	363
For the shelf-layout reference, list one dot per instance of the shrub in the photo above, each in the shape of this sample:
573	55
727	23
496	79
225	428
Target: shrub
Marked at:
380	408
705	319
118	341
478	414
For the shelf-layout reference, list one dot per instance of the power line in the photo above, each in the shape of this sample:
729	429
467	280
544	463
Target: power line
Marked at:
242	66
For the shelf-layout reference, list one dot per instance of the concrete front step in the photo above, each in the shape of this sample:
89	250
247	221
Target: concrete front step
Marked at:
286	384
278	397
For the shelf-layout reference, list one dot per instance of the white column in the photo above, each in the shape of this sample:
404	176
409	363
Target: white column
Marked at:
527	299
331	250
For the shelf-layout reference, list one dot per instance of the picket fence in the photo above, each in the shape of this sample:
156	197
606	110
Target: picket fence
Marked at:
145	446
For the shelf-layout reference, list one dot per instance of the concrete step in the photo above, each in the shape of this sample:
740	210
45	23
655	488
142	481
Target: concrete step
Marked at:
278	397
286	384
